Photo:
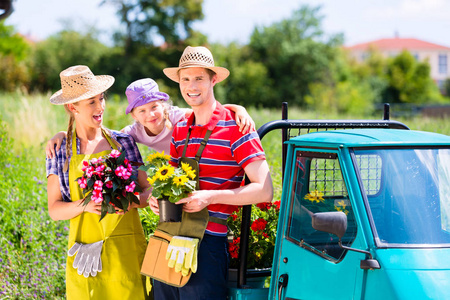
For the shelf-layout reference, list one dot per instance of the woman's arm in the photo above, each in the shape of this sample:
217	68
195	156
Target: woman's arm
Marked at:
243	119
60	210
56	140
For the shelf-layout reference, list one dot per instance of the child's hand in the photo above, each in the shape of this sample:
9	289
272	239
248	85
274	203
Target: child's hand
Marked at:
50	150
244	121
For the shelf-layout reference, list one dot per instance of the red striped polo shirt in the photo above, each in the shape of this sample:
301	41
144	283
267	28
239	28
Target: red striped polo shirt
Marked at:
223	160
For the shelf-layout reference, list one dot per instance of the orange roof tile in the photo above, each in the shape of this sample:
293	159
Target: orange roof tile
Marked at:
398	44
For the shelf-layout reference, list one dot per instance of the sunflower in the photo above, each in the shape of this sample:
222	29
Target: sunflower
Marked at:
315	196
158	156
180	180
152	179
165	172
186	167
188	170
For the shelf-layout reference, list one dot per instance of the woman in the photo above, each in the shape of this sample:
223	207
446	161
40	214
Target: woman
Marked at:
118	237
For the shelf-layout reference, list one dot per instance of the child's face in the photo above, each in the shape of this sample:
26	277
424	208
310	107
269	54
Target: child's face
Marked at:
151	116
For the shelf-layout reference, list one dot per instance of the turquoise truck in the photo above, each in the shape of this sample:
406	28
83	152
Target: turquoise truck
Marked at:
365	213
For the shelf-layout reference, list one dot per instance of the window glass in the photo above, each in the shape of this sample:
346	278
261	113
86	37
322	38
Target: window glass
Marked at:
442	63
412	204
319	187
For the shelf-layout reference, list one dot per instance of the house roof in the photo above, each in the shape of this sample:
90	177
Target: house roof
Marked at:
398	44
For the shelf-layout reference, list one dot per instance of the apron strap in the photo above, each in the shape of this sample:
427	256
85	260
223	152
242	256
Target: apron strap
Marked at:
202	144
74	141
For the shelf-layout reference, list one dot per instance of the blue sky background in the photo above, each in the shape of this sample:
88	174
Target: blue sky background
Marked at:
234	20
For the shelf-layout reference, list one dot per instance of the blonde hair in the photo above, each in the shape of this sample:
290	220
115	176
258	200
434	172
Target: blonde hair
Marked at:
69	136
167	105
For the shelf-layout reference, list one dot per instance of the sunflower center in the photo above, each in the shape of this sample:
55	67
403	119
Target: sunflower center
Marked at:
164	172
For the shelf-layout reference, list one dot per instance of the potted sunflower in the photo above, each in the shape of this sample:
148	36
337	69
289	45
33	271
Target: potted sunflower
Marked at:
169	184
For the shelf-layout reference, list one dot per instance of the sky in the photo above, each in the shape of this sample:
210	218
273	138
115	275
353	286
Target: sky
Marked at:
234	20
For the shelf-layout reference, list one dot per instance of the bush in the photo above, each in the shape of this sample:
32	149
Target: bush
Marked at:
32	247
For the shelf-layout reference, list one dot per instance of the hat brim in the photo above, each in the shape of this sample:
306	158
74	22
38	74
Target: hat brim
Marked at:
172	73
104	82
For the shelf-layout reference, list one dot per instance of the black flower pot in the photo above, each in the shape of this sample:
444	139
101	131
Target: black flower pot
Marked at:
169	212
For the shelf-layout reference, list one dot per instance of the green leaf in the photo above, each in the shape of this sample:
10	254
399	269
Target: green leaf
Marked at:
104	210
156	193
111	209
124	202
132	197
90	183
144	168
87	199
120	160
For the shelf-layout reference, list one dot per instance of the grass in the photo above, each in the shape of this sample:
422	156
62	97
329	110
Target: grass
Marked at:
32	246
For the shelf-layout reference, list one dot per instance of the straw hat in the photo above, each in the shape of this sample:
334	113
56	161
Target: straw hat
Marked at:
196	57
79	83
143	91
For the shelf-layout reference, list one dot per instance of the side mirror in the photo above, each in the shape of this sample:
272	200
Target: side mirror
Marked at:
6	8
335	222
332	222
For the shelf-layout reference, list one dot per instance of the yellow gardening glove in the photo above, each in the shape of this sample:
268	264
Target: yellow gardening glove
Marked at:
181	253
190	262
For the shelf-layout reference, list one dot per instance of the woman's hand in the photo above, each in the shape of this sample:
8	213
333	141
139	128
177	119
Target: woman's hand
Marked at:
93	207
50	151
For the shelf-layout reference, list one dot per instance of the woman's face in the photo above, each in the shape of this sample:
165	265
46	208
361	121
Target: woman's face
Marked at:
150	115
90	112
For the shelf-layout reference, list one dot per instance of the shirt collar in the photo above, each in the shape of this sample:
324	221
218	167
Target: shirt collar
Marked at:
218	114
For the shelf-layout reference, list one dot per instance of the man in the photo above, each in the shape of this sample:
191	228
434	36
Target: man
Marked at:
228	154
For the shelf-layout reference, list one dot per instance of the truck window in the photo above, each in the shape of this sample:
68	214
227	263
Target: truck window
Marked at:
411	207
318	186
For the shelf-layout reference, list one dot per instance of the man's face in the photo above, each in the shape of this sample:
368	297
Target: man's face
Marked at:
196	86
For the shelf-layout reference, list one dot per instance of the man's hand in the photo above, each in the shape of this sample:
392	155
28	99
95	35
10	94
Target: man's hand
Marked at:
153	203
197	200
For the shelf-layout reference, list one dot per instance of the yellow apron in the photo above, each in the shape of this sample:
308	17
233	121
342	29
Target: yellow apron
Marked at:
123	248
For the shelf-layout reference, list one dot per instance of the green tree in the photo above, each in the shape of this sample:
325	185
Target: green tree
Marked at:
60	51
13	51
410	81
146	21
248	83
296	53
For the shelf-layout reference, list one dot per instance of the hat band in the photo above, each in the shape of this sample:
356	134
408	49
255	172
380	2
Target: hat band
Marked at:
195	64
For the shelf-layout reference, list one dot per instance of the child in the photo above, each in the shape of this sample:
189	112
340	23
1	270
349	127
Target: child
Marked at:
154	117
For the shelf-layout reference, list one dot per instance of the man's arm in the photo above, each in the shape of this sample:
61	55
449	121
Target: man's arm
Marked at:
259	190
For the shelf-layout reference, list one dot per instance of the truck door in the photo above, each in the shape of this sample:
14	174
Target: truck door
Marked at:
316	267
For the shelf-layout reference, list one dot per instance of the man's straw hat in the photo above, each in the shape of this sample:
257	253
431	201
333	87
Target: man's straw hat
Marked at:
79	83
196	57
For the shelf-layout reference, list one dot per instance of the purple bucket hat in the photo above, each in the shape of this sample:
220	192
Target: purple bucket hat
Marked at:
143	91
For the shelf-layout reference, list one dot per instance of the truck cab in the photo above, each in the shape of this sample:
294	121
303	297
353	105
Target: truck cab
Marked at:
365	214
392	187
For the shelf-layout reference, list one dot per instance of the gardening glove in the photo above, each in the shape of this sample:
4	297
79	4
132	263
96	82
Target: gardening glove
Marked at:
88	258
182	254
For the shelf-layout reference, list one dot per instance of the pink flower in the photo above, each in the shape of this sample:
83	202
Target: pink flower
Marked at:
94	161
99	170
129	168
109	184
115	153
85	165
89	171
130	188
97	196
82	182
123	173
98	185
